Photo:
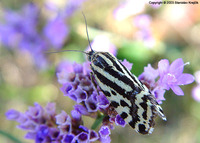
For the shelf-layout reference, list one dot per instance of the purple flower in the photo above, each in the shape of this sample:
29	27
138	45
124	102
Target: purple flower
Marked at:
104	131
83	137
93	136
120	121
12	114
54	127
102	101
143	23
91	103
68	138
63	118
127	64
165	77
171	76
56	31
149	74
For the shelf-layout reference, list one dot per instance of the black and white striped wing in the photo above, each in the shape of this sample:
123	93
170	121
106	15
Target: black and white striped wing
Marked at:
130	98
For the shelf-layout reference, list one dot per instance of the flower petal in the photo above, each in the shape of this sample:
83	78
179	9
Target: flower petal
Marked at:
163	67
176	67
185	79
177	90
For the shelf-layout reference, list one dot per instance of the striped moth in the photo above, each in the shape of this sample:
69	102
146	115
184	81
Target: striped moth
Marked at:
131	99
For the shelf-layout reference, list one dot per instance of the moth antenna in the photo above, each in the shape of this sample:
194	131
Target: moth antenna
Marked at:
49	52
87	32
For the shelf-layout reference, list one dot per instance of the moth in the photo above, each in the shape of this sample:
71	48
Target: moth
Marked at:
131	99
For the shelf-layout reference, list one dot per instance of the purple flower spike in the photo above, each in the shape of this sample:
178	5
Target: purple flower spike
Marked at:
171	76
54	133
104	131
63	118
42	133
83	137
91	103
105	140
120	121
93	136
68	138
51	109
30	135
81	109
102	100
12	114
80	94
56	31
35	112
76	115
127	64
149	74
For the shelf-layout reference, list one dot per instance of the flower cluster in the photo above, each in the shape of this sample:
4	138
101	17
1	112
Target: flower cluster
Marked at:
166	77
22	30
44	125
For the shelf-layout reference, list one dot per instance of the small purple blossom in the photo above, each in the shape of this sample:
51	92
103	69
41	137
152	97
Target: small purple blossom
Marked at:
120	121
166	77
104	131
56	31
171	76
142	22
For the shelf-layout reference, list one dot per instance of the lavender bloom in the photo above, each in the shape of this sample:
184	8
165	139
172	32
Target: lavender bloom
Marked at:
120	121
143	23
20	30
44	125
104	133
56	31
171	76
78	86
166	77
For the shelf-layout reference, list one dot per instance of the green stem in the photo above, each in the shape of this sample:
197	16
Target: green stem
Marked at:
9	136
98	121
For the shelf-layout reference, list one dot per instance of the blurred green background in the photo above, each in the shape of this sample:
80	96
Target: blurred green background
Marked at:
175	30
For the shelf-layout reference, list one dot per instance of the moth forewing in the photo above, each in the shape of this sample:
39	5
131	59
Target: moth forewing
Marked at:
131	99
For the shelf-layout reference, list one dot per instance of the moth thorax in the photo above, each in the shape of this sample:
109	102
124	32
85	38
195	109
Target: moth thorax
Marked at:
90	54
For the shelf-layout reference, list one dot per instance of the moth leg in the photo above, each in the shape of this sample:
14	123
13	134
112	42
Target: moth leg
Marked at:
93	81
